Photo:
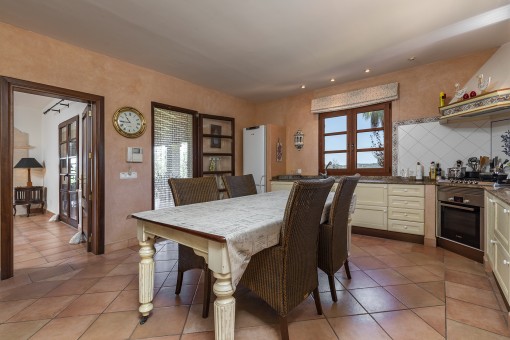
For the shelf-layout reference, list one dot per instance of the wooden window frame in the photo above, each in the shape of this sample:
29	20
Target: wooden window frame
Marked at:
352	148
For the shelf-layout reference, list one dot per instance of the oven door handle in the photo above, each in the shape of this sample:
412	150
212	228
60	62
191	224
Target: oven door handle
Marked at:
456	207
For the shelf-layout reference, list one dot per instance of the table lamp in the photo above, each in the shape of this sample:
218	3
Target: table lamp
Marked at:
28	163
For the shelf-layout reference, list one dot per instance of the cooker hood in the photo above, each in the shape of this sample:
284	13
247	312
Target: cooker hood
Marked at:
494	101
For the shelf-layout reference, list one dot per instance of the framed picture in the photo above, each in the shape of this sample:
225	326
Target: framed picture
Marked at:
216	141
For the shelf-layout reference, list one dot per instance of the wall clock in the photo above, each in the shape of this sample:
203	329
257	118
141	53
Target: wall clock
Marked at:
129	122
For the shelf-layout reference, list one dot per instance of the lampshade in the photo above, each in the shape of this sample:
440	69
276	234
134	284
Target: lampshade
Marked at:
27	163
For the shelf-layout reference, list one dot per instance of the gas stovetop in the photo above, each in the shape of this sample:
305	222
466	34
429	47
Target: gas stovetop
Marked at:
464	181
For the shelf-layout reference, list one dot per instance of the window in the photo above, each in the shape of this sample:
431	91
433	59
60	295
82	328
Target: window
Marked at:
174	150
356	141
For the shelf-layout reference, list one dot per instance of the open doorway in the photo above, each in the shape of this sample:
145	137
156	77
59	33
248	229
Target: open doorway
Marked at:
92	121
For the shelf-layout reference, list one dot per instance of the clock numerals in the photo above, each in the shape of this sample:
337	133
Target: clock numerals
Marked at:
129	122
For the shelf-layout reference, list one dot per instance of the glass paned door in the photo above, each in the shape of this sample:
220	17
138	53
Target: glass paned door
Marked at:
174	150
68	171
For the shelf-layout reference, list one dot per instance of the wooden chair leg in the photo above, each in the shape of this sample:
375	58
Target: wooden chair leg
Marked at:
178	285
332	287
317	299
207	292
284	328
28	210
347	271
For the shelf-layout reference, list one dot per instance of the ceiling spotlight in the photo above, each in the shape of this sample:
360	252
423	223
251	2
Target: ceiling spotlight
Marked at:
303	86
332	80
411	58
367	70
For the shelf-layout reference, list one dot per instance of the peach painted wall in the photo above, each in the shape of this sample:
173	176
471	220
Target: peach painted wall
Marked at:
419	89
29	56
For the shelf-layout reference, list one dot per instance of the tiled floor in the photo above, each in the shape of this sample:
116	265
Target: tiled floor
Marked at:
398	291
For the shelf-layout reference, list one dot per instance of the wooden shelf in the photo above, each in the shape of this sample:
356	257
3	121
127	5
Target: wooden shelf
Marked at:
216	154
217	172
215	136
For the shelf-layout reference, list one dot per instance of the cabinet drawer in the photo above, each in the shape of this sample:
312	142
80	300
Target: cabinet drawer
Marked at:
370	217
502	222
414	215
372	194
501	268
406	202
406	227
407	190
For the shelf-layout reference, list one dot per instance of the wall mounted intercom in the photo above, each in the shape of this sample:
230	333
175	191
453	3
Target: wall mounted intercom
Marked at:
134	155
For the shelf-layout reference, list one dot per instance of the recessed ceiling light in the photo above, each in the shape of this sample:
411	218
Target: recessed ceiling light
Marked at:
413	58
303	86
332	80
367	70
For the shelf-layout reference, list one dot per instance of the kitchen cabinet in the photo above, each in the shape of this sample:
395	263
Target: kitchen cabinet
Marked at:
406	209
371	206
216	144
280	185
497	222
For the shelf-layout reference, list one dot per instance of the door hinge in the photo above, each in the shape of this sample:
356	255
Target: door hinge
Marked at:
90	113
90	155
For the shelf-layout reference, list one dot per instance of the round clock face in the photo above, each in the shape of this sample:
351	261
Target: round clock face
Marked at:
129	122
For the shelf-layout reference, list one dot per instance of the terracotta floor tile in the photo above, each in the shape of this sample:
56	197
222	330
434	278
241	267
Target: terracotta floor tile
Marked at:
35	263
469	294
30	291
378	250
108	326
387	276
406	325
167	266
72	287
46	273
65	328
158	325
97	270
125	301
45	308
367	262
195	336
20	330
124	269
111	284
358	327
395	261
467	279
346	305
11	308
190	336
160	278
436	269
195	323
457	330
264	332
89	304
418	274
376	300
357	251
413	296
26	257
311	329
434	316
477	316
167	297
252	311
422	259
358	280
324	283
464	265
435	288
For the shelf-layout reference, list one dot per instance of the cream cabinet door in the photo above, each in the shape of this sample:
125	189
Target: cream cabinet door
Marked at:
490	238
407	227
372	194
417	190
501	268
278	186
502	222
370	217
413	215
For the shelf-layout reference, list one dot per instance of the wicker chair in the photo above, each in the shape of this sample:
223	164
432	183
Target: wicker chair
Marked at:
285	275
188	191
238	186
333	235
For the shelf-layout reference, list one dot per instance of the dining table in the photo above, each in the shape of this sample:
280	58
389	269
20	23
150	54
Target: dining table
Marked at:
225	232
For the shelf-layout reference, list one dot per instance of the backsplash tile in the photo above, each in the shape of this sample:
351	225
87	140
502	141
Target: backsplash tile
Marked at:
425	140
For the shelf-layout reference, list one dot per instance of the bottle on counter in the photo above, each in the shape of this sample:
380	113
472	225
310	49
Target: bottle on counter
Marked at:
419	172
438	171
432	171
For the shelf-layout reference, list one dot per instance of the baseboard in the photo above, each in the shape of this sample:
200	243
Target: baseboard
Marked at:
111	247
392	235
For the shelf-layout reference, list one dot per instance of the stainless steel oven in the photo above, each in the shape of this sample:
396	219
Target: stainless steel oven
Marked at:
460	215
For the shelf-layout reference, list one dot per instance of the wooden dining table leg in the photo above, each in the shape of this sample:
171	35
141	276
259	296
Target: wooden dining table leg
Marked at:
224	307
146	278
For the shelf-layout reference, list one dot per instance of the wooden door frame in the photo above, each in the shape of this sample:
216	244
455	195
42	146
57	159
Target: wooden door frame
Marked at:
7	87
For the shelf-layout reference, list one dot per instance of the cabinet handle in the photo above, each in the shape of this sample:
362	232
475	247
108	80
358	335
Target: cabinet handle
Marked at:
506	263
505	211
405	214
405	202
491	200
493	241
405	190
405	227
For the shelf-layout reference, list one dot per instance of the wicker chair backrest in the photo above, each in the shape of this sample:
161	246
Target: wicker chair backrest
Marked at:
193	190
238	186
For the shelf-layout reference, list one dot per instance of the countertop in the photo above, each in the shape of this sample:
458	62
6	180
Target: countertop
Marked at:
503	193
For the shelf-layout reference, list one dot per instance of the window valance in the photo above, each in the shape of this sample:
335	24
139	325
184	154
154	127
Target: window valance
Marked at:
357	98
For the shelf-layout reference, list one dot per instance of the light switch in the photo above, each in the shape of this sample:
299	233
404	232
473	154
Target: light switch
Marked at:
127	175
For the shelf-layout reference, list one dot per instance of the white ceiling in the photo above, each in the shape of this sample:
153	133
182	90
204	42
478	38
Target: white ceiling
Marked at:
262	50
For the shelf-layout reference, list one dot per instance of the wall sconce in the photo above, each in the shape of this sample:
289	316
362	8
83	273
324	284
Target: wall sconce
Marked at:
299	140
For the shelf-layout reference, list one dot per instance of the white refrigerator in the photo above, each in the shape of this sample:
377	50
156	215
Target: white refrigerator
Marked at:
254	155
